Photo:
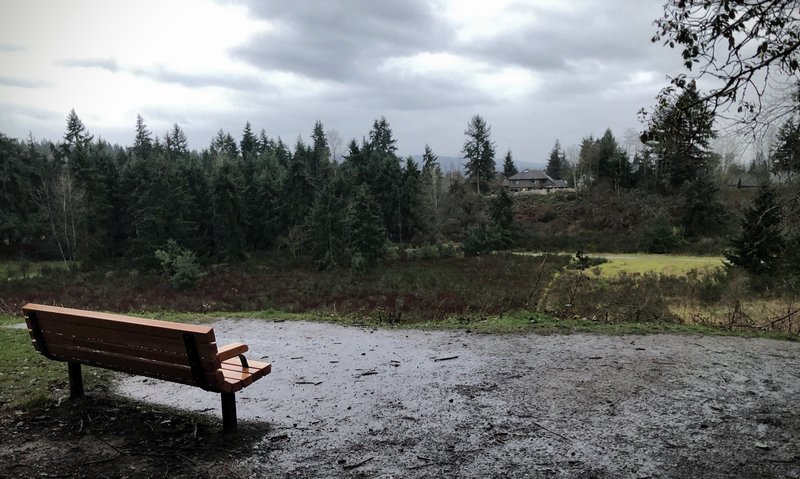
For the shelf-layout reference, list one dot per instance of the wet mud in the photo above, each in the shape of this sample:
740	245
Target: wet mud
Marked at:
356	402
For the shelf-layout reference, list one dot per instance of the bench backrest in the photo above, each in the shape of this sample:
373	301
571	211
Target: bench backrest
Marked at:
176	352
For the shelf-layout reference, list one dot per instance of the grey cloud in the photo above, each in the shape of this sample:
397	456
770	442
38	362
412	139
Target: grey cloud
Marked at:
388	92
610	32
108	64
165	75
193	80
10	48
21	83
342	40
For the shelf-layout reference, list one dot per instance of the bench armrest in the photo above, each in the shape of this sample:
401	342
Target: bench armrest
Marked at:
231	351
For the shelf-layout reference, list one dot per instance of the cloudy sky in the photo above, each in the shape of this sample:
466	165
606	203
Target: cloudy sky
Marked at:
537	70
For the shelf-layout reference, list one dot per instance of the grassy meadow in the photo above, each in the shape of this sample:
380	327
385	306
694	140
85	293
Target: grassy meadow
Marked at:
671	265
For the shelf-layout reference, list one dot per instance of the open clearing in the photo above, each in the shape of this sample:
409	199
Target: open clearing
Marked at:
673	265
346	401
642	263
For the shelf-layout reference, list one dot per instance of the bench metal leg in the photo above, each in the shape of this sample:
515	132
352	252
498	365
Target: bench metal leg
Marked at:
228	412
75	380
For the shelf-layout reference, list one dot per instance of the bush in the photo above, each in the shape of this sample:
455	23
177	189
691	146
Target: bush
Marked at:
180	265
358	264
484	238
660	235
573	294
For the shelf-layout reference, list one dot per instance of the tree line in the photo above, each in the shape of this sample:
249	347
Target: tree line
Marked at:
85	200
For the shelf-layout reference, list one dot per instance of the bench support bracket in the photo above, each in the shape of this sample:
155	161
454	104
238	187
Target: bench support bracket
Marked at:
75	380
228	412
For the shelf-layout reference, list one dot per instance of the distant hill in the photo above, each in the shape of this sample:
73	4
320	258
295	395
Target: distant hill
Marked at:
456	163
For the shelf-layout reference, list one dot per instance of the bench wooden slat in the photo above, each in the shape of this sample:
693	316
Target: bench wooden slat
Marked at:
237	377
231	351
180	359
143	367
244	377
109	336
151	327
234	365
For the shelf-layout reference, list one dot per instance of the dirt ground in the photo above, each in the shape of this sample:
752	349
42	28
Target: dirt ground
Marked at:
355	402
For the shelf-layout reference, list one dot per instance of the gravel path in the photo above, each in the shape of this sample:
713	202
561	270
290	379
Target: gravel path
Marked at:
346	401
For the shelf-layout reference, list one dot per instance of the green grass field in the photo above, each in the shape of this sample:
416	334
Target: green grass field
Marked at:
671	265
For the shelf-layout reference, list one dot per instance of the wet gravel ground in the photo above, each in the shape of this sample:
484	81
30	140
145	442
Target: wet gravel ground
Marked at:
356	402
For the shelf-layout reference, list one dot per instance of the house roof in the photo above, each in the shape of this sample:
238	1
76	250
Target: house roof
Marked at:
530	175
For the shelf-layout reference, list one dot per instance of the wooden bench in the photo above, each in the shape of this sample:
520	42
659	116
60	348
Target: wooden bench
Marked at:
181	353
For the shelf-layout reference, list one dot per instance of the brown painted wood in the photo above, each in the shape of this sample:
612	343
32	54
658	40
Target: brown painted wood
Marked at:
112	336
231	351
255	366
144	367
151	327
179	359
239	376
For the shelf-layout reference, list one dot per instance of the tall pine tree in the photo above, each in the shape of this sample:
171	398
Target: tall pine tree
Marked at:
760	244
509	168
556	162
479	150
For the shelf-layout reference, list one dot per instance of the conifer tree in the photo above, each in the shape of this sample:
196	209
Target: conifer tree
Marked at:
555	163
320	154
177	143
432	192
410	203
143	141
299	190
679	133
760	244
381	139
367	236
326	226
501	210
479	152
249	144
509	168
703	212
229	216
76	135
786	157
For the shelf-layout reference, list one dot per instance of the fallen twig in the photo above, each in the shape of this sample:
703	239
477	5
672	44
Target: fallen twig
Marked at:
448	358
348	467
550	431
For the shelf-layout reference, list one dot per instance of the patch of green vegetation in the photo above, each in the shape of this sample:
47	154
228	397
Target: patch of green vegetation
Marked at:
28	380
208	317
671	265
25	269
524	321
516	322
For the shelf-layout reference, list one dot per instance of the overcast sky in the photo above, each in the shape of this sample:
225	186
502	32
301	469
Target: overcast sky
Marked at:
537	70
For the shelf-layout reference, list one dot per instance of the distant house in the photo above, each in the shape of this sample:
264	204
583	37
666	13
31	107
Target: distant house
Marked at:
532	180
